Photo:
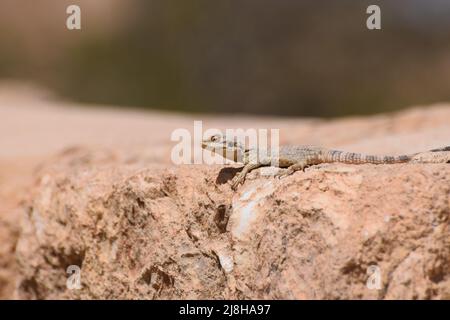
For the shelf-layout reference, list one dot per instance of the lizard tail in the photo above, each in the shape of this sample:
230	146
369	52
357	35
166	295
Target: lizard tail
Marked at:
358	158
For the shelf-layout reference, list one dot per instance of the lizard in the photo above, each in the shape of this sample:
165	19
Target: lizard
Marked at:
294	157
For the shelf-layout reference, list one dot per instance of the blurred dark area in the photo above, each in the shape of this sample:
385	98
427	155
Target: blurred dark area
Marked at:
307	58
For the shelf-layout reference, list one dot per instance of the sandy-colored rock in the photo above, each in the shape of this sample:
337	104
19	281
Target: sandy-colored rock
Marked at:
139	227
13	193
179	232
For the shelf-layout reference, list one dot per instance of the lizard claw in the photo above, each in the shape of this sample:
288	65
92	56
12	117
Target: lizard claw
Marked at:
283	174
236	182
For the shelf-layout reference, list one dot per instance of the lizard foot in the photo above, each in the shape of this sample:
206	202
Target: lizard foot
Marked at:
236	182
284	173
295	167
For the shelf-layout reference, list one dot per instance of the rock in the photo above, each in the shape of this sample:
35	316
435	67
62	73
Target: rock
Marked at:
179	232
8	236
117	214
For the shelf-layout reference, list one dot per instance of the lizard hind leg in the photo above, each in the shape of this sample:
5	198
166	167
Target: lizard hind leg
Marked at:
301	165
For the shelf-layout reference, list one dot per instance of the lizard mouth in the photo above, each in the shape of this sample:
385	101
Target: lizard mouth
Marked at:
206	145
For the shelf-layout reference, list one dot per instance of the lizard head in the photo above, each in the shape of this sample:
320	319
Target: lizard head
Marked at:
227	147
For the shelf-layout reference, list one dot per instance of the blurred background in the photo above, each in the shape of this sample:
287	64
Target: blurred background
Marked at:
207	60
306	58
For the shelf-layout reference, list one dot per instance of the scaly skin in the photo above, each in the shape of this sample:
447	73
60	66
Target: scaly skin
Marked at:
293	158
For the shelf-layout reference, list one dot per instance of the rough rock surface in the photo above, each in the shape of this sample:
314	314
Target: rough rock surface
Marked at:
13	192
157	232
140	227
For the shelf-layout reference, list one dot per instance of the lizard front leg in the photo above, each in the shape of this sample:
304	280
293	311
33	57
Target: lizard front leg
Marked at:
241	176
295	167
